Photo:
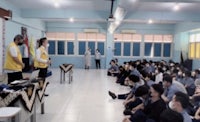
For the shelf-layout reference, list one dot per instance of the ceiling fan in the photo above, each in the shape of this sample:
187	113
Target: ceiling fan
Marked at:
111	18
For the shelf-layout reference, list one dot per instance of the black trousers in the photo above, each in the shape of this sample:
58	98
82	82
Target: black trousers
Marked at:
98	63
123	96
42	73
14	76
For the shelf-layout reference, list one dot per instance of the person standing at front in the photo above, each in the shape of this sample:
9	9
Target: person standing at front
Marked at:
42	58
13	62
88	58
98	59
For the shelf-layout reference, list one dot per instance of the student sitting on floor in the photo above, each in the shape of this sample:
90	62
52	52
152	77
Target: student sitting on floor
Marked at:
141	96
134	81
152	110
114	69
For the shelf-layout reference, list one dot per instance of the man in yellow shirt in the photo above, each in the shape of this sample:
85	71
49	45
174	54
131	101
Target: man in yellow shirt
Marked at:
42	58
13	62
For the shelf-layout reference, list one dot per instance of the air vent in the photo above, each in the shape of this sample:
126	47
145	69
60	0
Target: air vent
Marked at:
128	31
91	30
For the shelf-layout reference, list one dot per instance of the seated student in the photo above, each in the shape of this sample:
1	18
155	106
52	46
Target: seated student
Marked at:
134	70
152	110
170	88
147	78
114	69
188	82
158	75
169	115
179	104
124	74
134	81
141	96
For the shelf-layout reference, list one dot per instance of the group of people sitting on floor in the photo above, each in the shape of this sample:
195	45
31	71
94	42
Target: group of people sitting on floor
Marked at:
159	91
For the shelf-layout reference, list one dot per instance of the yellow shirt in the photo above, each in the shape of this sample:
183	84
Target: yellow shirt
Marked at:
41	58
10	63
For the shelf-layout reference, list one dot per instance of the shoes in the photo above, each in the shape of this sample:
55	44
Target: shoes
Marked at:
112	95
46	95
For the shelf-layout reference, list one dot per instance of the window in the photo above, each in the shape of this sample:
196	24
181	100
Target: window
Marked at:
167	50
82	48
100	46
61	48
52	47
127	44
136	49
127	47
157	49
117	49
91	45
91	40
148	49
157	45
194	46
70	48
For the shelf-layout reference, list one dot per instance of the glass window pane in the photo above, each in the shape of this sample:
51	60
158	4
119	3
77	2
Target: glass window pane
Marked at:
100	46
81	48
192	38
197	50
91	45
192	50
127	49
197	38
52	47
117	49
61	47
167	50
136	49
148	51
157	49
70	48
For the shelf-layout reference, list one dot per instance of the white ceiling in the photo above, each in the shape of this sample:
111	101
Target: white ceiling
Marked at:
132	6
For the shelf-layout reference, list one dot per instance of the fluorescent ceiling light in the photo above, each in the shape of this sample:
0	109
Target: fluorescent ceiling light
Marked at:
57	5
150	21
117	22
71	19
176	7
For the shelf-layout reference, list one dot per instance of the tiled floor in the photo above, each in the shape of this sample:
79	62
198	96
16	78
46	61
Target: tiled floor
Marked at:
84	100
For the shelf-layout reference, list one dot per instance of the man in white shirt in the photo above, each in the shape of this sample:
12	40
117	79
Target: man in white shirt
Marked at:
13	62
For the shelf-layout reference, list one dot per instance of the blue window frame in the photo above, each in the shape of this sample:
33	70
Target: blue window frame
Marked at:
52	47
61	48
81	49
157	49
91	45
70	48
167	50
148	49
100	46
127	49
117	49
136	49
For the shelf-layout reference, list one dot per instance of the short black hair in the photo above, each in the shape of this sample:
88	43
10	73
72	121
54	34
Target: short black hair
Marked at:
41	41
141	90
134	78
167	78
18	37
169	115
182	98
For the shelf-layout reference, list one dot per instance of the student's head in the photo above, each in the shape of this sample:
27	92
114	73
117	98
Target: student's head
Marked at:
112	62
97	50
142	91
132	79
179	101
167	81
147	76
169	115
18	39
156	90
43	42
187	74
